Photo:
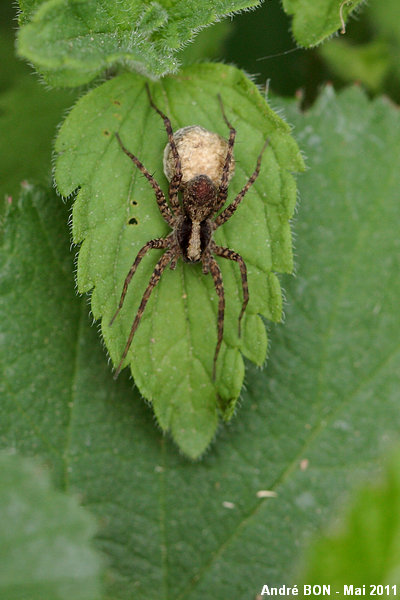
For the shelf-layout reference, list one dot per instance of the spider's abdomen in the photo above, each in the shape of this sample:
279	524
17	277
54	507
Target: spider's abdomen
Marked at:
201	152
193	238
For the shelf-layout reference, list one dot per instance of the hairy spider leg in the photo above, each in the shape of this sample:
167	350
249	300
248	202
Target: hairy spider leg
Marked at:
175	182
229	210
165	210
219	288
223	186
232	255
156	244
154	279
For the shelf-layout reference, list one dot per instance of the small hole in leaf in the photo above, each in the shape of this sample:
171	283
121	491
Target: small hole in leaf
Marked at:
106	132
133	202
133	221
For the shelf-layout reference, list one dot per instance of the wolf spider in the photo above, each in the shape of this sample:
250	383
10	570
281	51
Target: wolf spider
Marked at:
193	222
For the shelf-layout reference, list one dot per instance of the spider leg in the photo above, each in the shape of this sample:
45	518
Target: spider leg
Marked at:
175	182
231	255
157	243
154	279
223	186
165	210
219	288
229	210
173	262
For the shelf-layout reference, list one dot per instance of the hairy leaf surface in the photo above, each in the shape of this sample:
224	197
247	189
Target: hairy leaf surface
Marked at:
315	20
116	213
72	41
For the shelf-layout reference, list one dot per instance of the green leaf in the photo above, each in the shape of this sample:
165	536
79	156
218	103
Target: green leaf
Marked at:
384	17
45	538
13	69
28	126
208	44
72	41
172	352
369	63
367	537
385	20
315	20
310	425
27	9
36	311
373	57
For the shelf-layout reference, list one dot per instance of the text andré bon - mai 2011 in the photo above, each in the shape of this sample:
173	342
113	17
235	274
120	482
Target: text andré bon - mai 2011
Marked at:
329	590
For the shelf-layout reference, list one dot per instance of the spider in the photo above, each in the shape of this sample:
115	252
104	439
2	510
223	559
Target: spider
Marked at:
193	222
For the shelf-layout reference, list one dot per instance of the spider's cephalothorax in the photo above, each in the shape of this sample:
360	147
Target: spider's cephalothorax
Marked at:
199	165
194	231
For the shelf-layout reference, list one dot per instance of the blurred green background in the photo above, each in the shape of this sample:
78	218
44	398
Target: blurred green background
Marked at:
257	41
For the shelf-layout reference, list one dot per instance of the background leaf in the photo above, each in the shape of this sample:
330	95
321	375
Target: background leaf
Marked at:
368	63
311	424
45	538
315	20
385	16
209	44
174	370
37	310
367	537
72	41
27	129
371	55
